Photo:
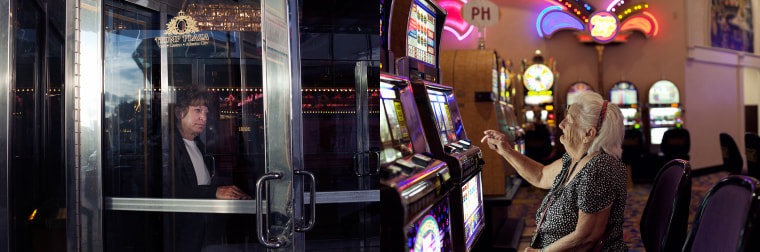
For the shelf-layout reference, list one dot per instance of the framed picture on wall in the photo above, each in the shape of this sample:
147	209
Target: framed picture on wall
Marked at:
731	25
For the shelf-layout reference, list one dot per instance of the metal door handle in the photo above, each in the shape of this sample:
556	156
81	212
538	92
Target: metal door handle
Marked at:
312	200
377	168
356	164
259	211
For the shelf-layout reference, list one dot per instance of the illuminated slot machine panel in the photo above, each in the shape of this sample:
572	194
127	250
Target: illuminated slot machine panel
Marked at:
664	110
574	90
443	129
448	141
626	96
471	209
408	198
538	80
508	125
414	187
431	231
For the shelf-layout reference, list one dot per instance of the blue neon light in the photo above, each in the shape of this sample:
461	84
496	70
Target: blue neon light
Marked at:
541	16
557	20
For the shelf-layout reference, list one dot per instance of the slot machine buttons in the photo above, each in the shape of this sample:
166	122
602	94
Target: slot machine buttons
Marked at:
466	144
457	147
407	167
449	149
390	171
421	160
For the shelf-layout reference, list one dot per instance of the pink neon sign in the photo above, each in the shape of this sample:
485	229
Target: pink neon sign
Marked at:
454	21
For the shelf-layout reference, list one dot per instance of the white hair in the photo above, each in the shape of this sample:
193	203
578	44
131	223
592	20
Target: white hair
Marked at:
586	111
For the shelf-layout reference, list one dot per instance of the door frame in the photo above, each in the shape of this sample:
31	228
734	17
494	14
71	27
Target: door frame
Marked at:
282	123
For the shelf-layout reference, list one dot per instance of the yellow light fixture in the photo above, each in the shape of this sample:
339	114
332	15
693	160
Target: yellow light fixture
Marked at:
225	17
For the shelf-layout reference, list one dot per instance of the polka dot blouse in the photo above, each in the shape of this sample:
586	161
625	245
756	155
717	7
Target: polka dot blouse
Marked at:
601	181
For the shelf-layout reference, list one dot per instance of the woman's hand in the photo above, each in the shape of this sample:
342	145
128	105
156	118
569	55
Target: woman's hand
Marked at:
495	140
231	192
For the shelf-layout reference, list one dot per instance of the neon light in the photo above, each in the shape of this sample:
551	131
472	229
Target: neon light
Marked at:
612	5
654	22
457	34
558	20
555	3
603	26
541	17
638	23
454	21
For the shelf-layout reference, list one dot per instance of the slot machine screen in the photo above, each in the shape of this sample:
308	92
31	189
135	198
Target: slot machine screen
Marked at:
394	133
629	116
440	105
472	203
663	92
529	116
420	41
624	93
538	80
430	233
657	134
575	89
503	84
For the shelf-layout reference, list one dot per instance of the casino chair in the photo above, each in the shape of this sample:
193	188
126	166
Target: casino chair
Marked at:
752	151
538	144
666	215
727	219
633	154
732	158
676	144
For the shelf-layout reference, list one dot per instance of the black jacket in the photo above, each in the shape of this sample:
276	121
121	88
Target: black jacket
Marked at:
184	182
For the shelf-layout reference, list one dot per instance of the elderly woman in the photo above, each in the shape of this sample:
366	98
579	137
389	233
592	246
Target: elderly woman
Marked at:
587	188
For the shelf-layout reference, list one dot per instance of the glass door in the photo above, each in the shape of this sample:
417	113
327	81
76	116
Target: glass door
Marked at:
34	183
340	79
195	150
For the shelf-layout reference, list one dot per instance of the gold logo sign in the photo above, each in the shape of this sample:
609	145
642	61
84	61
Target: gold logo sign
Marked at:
182	31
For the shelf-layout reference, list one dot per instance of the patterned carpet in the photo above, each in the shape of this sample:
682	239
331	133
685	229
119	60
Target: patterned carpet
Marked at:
528	199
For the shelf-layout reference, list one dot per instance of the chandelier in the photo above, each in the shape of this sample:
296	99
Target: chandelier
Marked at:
225	17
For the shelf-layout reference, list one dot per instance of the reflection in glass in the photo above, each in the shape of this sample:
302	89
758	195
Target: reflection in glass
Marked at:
36	166
142	137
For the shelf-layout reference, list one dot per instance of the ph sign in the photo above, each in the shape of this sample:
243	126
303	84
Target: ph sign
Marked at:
480	13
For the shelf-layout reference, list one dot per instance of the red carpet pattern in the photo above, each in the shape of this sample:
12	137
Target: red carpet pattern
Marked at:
528	199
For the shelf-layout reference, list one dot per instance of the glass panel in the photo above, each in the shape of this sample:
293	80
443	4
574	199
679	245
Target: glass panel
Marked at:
341	119
37	182
329	128
196	136
346	227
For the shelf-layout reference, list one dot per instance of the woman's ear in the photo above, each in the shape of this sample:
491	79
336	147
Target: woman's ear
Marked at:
178	112
590	133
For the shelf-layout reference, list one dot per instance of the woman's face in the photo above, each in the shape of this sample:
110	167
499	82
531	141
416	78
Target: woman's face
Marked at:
194	120
571	133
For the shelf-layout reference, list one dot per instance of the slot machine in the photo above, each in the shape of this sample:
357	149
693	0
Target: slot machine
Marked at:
538	78
418	61
414	187
537	111
664	111
448	141
626	96
506	118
